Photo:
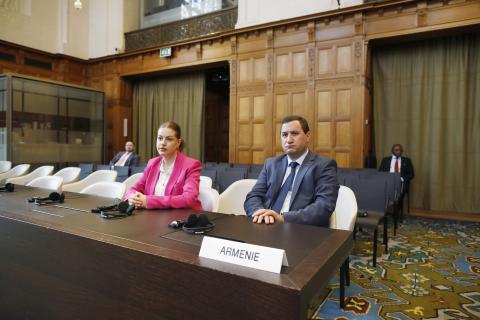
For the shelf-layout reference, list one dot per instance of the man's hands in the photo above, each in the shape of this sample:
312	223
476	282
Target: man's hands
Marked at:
267	216
138	199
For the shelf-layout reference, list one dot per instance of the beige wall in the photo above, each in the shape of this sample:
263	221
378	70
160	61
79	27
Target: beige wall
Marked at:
56	26
30	23
254	12
131	15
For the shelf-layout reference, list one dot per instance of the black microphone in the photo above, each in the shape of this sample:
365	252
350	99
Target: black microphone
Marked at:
192	221
8	187
198	224
53	196
125	207
203	220
122	210
107	208
177	224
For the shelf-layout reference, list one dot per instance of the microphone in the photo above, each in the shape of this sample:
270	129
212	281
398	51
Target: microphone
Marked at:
177	224
192	221
203	220
8	187
198	224
52	198
107	208
123	209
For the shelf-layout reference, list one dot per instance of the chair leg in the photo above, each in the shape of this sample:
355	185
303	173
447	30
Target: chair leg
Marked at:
347	271
385	233
342	287
354	232
395	221
408	202
375	238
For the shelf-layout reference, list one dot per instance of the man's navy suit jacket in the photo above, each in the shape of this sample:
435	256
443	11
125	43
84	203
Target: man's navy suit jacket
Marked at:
314	192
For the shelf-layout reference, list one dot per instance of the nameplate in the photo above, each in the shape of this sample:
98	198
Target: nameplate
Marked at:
243	254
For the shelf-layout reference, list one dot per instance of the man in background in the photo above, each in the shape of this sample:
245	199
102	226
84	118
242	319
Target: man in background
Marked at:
399	165
126	159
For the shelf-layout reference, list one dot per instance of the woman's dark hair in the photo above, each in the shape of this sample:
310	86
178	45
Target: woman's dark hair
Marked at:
178	132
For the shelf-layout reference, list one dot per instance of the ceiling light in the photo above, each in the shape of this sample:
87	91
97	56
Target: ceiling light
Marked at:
77	4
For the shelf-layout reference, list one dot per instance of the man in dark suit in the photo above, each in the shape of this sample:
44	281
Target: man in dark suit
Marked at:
398	165
299	186
128	158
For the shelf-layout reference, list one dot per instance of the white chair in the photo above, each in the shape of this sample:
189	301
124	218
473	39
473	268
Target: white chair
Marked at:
69	174
18	170
105	189
5	166
345	214
47	182
205	182
343	218
130	181
209	198
96	176
231	200
39	172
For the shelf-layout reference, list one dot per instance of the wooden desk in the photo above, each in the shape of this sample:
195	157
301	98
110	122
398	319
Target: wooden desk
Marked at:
66	264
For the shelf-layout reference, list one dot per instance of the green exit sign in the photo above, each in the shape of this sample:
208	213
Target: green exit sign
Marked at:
165	52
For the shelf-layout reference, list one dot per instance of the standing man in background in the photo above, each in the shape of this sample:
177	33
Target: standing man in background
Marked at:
399	165
126	159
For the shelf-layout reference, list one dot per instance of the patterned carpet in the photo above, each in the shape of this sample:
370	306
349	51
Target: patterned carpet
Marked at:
432	271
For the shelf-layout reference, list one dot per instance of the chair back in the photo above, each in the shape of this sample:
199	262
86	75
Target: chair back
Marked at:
371	194
345	214
69	174
105	189
47	182
205	182
24	179
86	170
137	169
232	199
209	198
5	166
122	173
227	176
97	176
210	172
130	181
102	167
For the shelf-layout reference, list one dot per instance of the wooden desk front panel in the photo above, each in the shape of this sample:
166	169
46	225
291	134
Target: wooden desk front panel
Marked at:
81	266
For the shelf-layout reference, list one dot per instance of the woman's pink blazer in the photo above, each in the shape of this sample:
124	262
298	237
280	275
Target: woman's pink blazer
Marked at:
181	190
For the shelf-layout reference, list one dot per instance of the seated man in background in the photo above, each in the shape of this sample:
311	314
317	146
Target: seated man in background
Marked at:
128	158
299	186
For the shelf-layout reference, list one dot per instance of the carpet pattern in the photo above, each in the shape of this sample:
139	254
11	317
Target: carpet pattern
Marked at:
431	271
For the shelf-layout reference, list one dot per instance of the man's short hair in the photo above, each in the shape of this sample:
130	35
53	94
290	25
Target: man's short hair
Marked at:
303	122
397	145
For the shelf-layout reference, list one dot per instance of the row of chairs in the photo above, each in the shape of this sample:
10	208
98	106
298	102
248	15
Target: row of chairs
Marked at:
122	172
378	195
223	176
100	182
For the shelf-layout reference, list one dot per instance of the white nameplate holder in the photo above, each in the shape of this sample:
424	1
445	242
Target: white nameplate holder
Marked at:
243	254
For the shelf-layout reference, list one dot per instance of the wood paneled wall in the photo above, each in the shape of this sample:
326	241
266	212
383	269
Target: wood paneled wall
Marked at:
316	66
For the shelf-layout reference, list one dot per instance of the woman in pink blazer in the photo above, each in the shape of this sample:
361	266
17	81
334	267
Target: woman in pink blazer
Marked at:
170	180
